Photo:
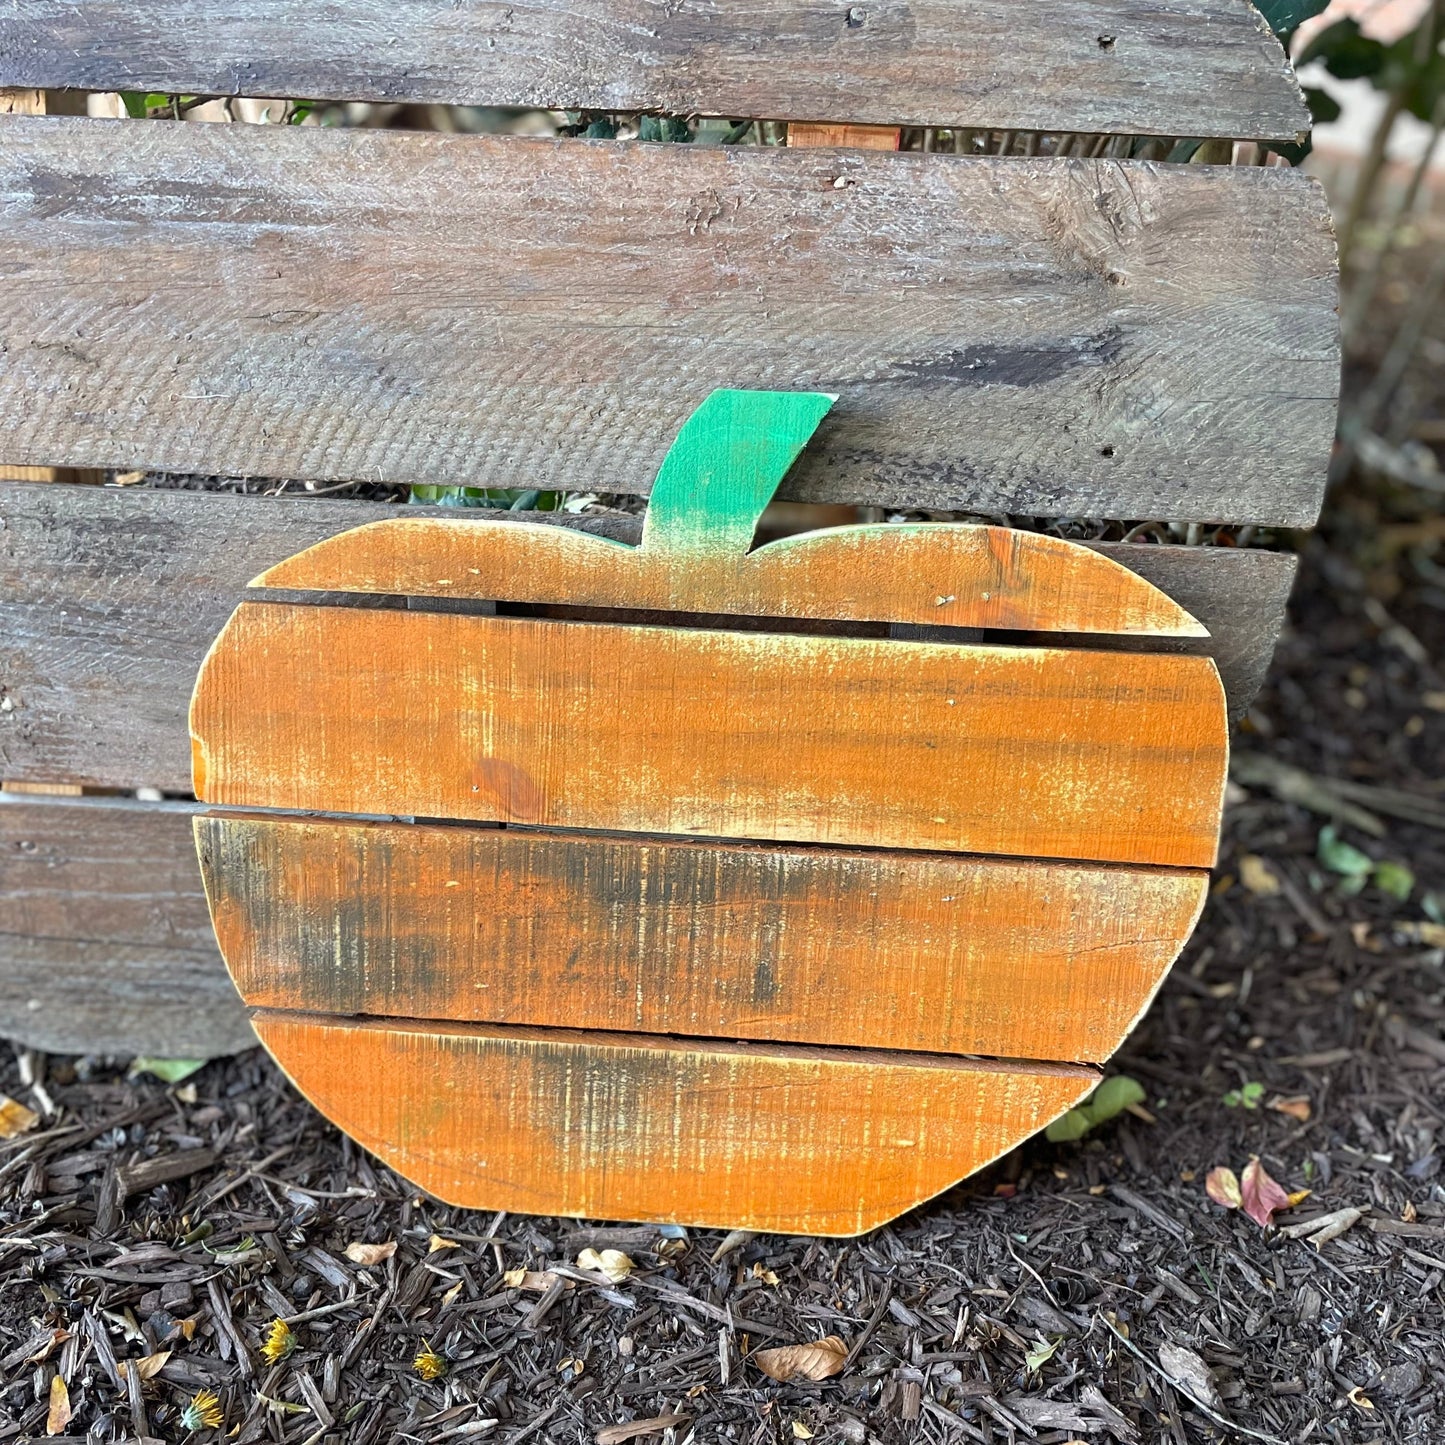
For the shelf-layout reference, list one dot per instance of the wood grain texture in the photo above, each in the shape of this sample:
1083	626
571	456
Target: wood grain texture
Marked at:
819	946
105	942
933	574
794	1140
1173	67
1025	336
860	137
110	600
1035	752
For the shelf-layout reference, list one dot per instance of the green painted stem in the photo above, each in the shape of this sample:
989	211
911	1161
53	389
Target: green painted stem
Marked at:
724	467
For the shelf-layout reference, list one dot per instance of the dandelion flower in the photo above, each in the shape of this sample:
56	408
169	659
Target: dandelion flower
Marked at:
204	1412
428	1364
280	1341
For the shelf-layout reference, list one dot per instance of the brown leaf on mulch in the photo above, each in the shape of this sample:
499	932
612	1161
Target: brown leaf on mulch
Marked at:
15	1118
370	1254
636	1429
819	1360
57	1416
1260	1196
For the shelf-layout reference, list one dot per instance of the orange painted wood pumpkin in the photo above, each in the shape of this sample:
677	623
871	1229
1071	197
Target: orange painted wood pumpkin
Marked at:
768	888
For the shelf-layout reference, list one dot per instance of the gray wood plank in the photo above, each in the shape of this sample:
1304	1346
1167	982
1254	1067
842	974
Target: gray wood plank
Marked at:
105	942
1086	338
1171	67
110	599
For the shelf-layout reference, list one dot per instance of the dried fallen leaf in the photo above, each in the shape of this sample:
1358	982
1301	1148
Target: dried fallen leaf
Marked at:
1297	1106
15	1118
819	1360
801	1431
1260	1196
438	1242
768	1276
1358	1397
611	1262
146	1368
635	1429
369	1254
1188	1369
538	1281
1222	1186
57	1337
58	1415
1257	876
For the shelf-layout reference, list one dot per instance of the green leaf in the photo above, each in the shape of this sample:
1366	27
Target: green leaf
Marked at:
1345	52
1433	904
1183	152
1284	15
1113	1096
1341	857
1395	879
1324	108
1069	1127
172	1071
1040	1355
724	467
1252	1094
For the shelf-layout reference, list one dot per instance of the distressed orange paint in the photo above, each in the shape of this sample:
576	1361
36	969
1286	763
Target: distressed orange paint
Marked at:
1038	752
933	574
548	1121
604	1006
876	949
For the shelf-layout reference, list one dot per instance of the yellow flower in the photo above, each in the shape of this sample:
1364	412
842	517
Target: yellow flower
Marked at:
428	1364
204	1412
279	1342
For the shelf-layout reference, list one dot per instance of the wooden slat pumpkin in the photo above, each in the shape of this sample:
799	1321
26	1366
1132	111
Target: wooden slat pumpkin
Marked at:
785	923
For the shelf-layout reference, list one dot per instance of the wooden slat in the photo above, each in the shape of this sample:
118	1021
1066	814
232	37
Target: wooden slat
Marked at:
794	1140
929	574
1176	67
1034	752
109	601
1025	336
105	942
862	137
882	950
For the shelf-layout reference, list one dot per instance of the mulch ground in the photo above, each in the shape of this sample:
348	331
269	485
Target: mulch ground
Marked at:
1073	1292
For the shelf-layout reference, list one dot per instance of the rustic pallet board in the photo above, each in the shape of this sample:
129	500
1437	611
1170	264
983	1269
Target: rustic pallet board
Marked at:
851	741
105	941
1176	67
930	574
816	1141
110	599
860	949
1025	336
